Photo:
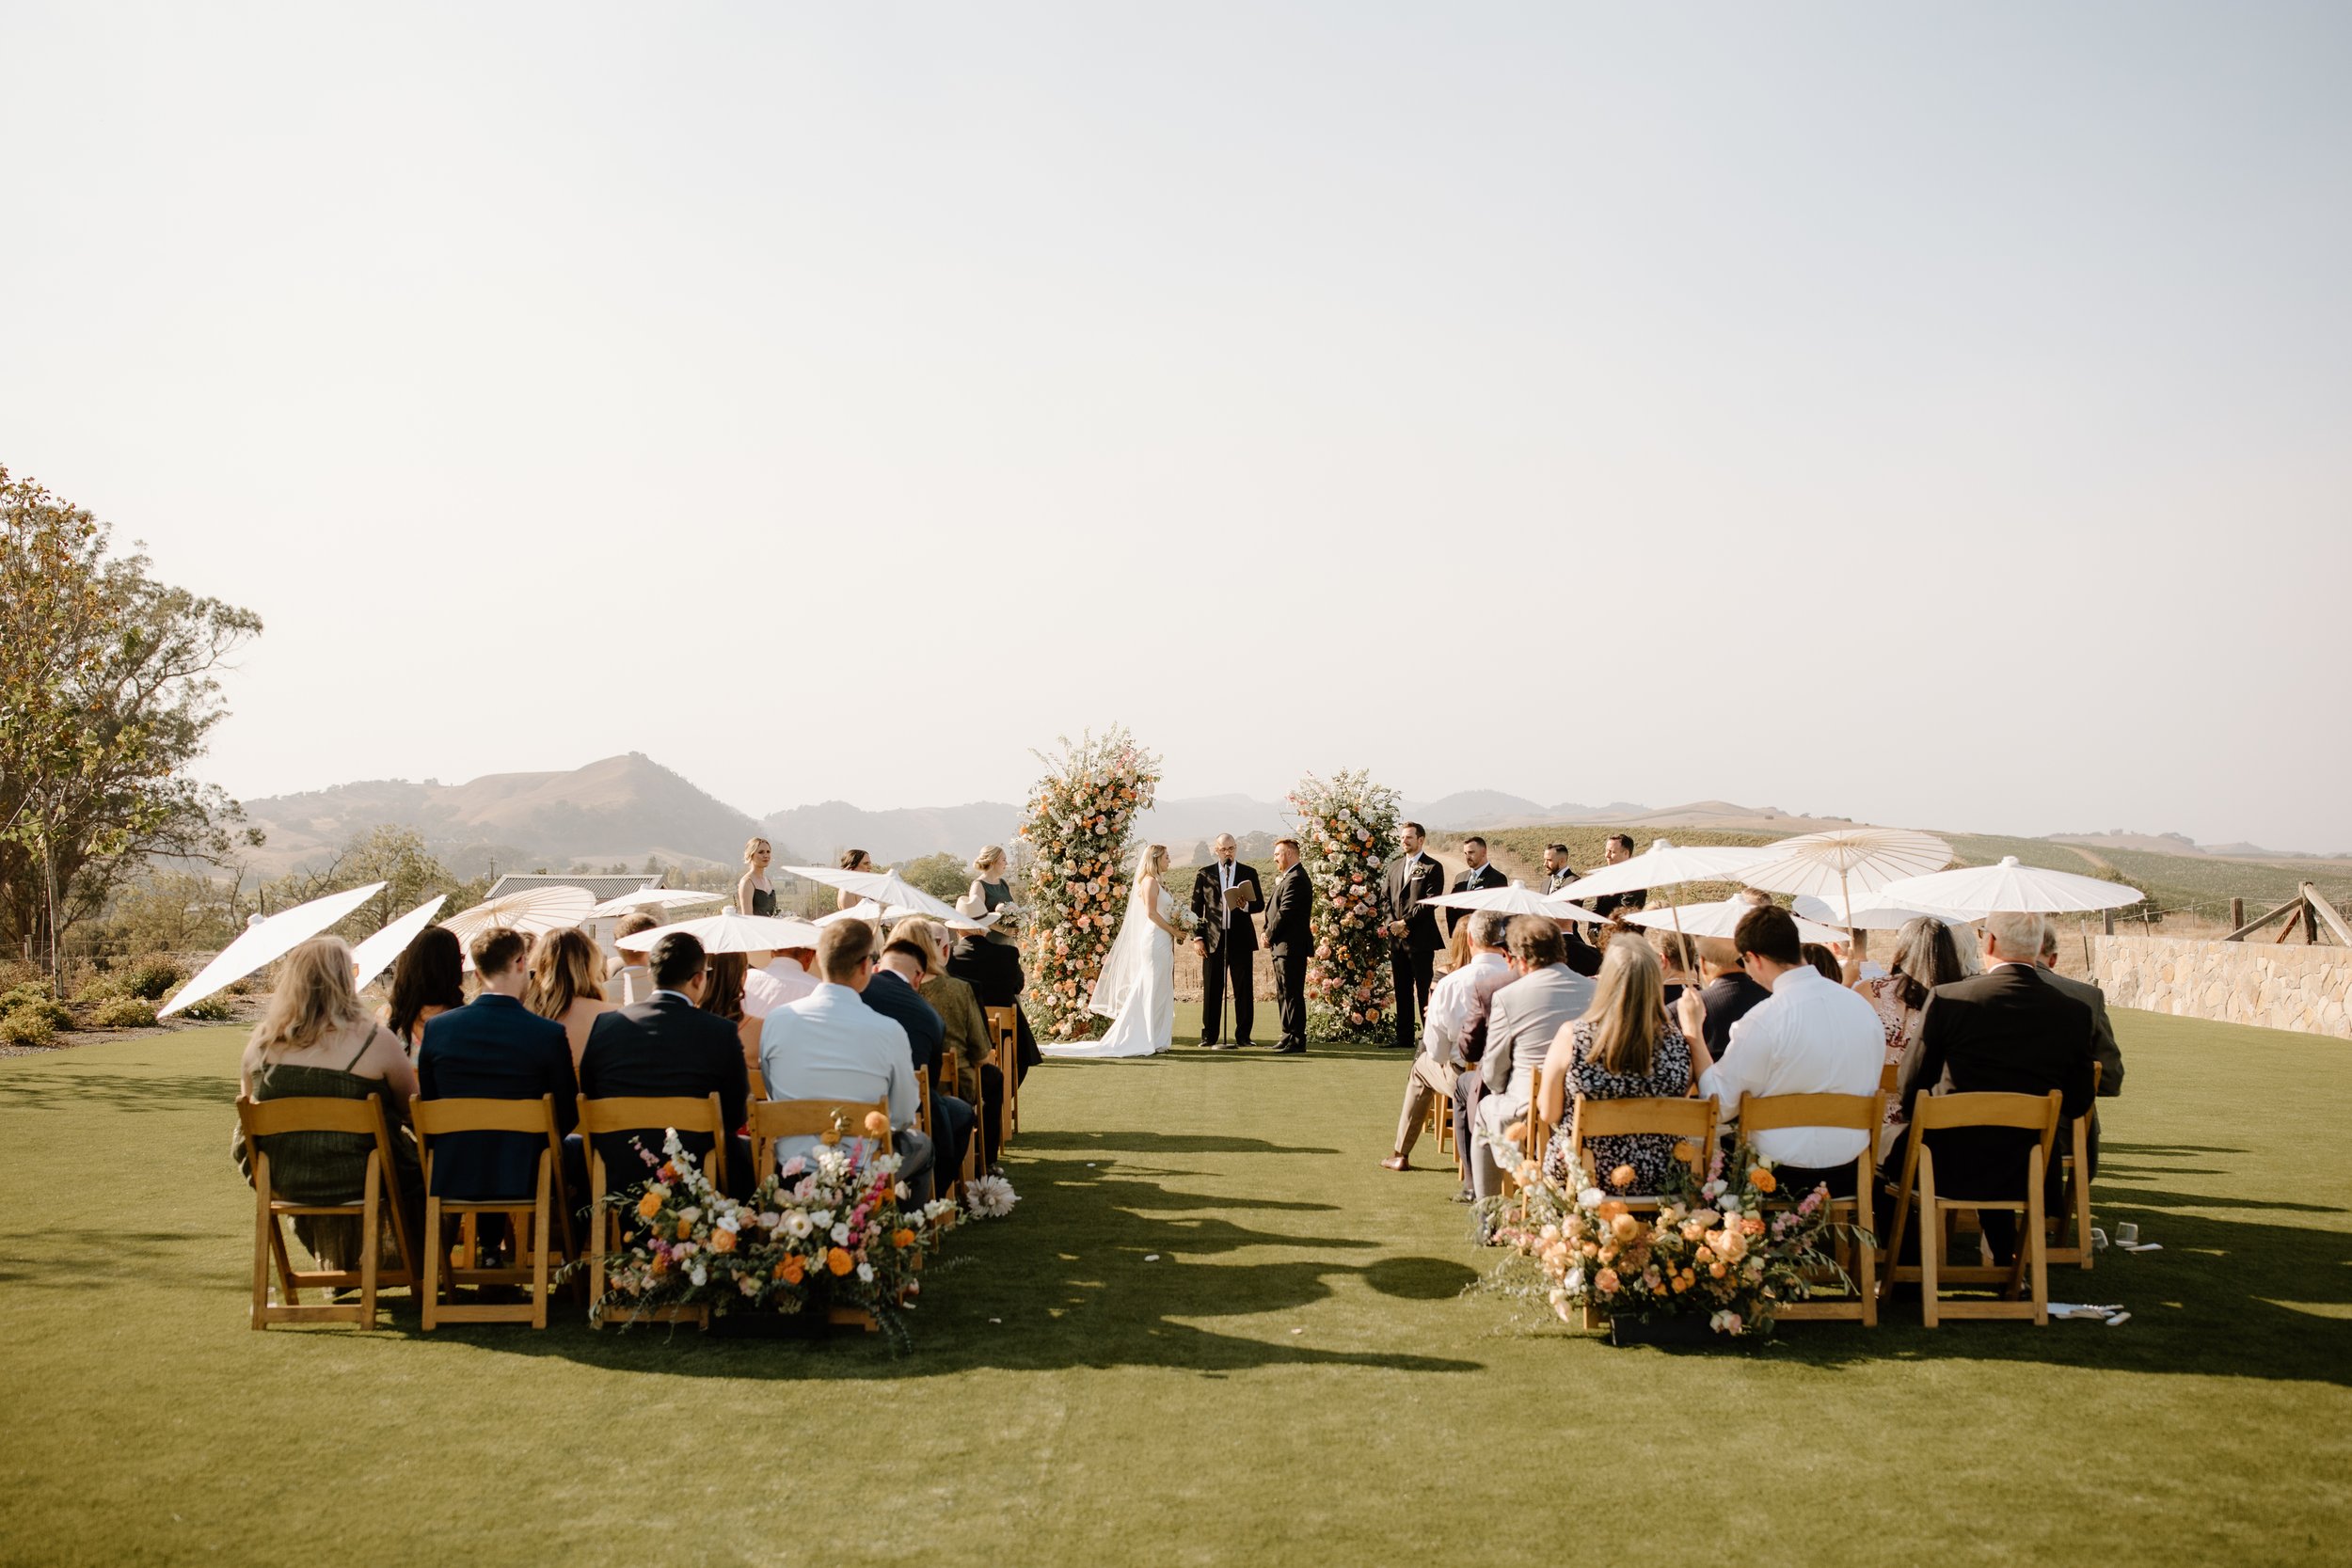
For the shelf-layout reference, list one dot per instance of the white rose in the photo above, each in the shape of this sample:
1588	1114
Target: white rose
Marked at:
841	1235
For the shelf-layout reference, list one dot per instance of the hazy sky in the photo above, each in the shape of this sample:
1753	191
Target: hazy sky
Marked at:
1936	416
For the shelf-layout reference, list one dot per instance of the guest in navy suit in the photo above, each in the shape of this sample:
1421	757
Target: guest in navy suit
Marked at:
493	1048
669	1047
892	994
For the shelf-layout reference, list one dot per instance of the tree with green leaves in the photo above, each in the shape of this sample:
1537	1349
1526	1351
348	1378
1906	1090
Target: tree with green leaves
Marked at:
108	690
397	857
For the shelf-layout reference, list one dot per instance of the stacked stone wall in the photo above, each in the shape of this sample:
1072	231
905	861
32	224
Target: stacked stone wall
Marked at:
2273	985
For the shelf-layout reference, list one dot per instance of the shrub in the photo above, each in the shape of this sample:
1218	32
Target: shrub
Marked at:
34	1002
213	1010
27	1028
101	990
151	979
124	1012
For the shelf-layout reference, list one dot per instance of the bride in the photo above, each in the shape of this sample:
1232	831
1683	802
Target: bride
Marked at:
1137	990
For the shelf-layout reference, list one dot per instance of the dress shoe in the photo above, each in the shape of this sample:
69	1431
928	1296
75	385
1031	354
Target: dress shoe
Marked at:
1218	1045
1290	1051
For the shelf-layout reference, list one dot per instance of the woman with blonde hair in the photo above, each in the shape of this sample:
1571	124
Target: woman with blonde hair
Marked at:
315	1041
1625	1047
755	893
1137	988
989	890
564	986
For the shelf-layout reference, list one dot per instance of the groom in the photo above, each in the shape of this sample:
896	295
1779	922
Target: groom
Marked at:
1228	942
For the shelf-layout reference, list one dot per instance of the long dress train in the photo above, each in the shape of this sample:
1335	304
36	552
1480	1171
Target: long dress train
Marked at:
1136	990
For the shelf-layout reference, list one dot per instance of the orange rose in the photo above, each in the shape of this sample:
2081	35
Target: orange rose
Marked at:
648	1205
669	1171
840	1263
661	1264
903	1239
876	1123
790	1270
1606	1279
1762	1180
1624	1228
685	1229
722	1241
1622	1177
1716	1270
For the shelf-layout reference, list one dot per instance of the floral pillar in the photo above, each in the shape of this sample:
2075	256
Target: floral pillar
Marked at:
1081	815
1347	833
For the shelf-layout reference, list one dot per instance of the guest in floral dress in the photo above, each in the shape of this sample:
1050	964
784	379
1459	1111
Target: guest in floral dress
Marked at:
1625	1047
1925	957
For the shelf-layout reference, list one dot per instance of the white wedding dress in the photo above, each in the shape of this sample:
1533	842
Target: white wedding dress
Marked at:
1137	990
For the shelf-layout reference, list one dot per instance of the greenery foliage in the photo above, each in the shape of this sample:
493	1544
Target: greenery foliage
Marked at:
942	876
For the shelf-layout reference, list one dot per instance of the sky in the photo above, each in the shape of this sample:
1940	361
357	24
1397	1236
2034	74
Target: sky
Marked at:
1931	414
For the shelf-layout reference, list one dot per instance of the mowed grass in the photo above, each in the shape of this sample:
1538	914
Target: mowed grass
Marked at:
1214	1332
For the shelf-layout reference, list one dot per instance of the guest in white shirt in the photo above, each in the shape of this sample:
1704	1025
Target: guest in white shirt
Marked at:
1451	1004
830	1045
784	979
1811	1035
632	982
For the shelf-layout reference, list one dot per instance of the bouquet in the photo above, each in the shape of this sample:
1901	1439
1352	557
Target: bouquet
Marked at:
1710	1248
829	1229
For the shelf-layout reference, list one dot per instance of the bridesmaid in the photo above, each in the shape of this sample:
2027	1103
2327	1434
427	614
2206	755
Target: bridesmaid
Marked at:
756	894
853	859
989	890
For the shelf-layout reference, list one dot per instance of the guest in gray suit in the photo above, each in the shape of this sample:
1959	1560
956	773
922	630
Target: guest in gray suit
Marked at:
2104	1050
1524	1017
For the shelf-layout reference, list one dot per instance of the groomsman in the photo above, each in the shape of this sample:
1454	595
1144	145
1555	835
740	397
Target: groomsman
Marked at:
1289	939
1617	848
1413	932
1557	873
1480	874
1228	942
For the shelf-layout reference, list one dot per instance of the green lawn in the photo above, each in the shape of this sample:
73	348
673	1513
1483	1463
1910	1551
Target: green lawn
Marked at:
1214	1331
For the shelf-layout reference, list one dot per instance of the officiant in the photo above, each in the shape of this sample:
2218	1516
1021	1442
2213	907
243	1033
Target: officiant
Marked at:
1224	896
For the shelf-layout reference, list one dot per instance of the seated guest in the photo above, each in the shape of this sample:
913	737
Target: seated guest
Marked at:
1678	964
993	970
1729	994
2103	1047
667	1047
2003	1032
1811	1036
1823	961
1925	957
968	1053
853	859
563	987
895	992
1470	1088
632	981
1521	1022
784	977
1622	1046
723	994
830	1045
1853	971
498	1047
316	1042
1484	969
428	979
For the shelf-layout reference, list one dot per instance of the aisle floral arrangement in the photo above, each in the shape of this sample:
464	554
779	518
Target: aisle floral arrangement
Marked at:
1711	1249
829	1230
1081	815
1347	833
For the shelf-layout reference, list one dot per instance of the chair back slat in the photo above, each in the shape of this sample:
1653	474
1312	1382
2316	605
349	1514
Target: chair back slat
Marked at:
2034	1113
1611	1118
262	1119
1003	1024
435	1118
772	1119
635	1114
1764	1113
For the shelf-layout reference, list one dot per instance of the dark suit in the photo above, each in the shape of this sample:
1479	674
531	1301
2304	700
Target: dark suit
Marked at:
1230	939
667	1048
2104	1050
1555	880
2002	1032
493	1048
993	970
1412	958
927	1036
1487	876
1727	1001
1290	941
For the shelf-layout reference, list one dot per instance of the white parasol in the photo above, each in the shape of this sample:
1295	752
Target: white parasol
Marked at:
376	955
1870	913
883	887
1976	891
533	910
1843	861
1662	864
1723	919
890	915
654	899
266	941
731	931
1518	899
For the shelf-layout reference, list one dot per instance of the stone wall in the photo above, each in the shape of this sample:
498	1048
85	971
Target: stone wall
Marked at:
2274	985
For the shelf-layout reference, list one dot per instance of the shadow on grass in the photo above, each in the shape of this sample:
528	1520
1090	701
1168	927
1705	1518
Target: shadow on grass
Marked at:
1093	1272
1130	1141
116	1091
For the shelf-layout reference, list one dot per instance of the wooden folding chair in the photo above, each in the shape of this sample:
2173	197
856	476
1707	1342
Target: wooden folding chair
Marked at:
773	1120
1863	1113
2030	1113
379	1199
1690	1122
2069	1227
934	1128
628	1113
542	1224
1004	1029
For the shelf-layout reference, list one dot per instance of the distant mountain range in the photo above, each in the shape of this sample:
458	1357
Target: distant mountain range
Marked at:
631	809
